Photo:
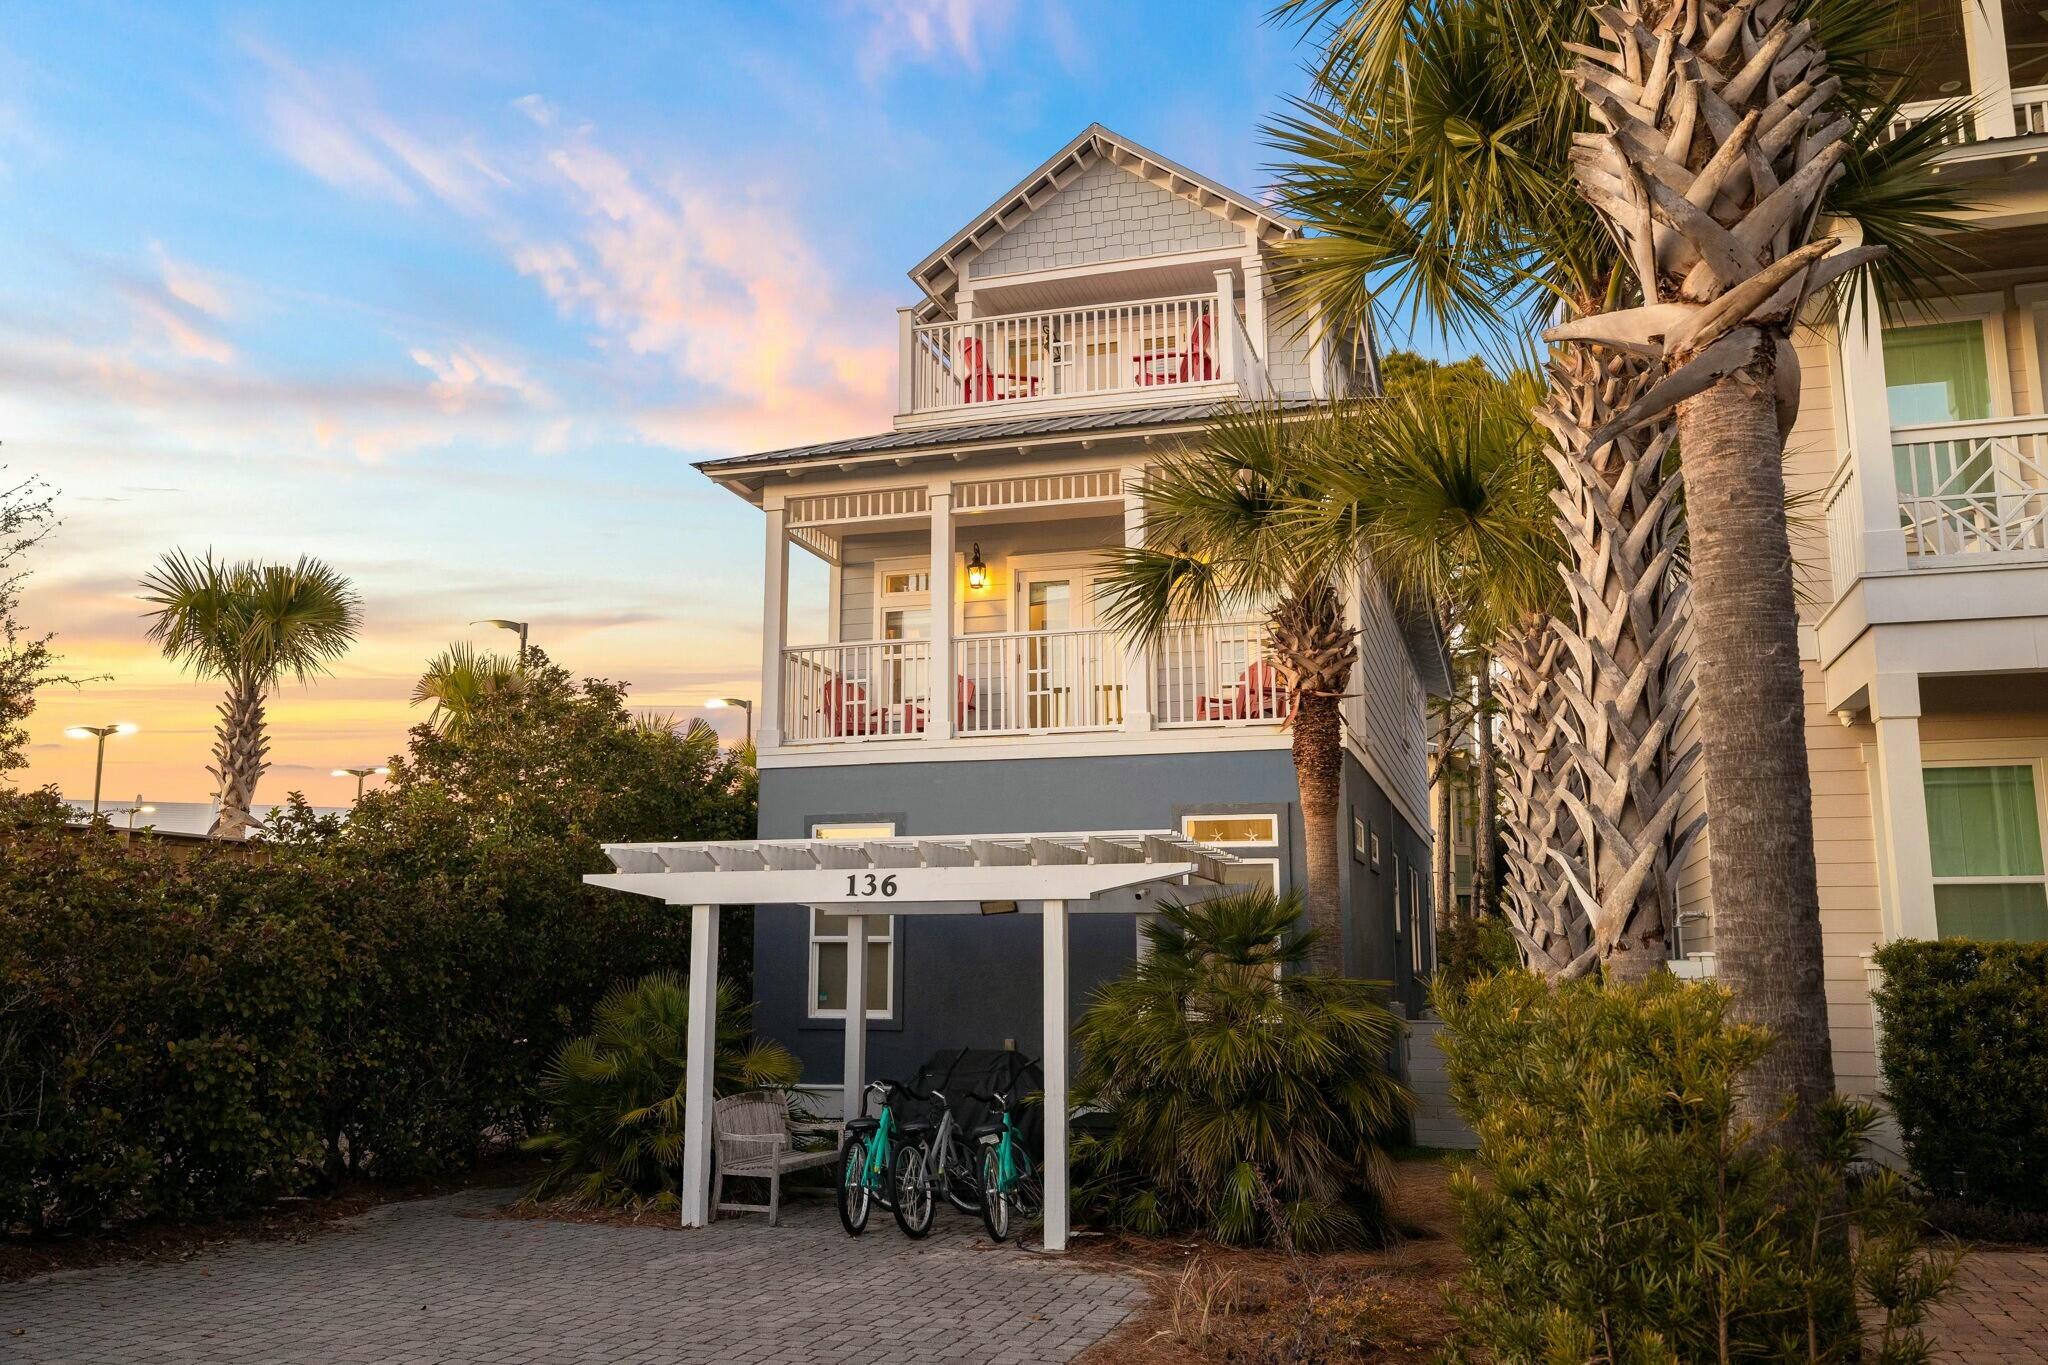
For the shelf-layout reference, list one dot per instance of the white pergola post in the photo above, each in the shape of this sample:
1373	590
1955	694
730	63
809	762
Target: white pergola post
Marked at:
854	1073
1054	1064
700	1057
1908	866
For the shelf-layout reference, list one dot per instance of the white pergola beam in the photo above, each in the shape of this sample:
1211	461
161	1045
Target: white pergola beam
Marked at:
853	1075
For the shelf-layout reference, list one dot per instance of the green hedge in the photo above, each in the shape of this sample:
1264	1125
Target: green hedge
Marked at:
1963	1042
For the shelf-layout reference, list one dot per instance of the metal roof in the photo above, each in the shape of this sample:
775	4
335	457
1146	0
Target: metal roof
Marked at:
931	438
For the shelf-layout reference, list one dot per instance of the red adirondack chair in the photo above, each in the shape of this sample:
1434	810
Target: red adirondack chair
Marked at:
1260	695
963	707
980	384
845	705
1192	362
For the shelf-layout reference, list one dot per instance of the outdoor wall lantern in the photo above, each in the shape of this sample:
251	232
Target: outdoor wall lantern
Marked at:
977	572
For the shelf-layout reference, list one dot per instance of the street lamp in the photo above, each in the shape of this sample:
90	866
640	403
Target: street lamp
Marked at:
138	809
720	703
360	773
502	624
99	767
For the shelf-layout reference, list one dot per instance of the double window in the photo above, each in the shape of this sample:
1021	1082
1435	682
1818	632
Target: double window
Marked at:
1985	834
829	944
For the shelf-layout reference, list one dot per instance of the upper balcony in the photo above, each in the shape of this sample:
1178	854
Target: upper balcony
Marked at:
1132	352
1991	54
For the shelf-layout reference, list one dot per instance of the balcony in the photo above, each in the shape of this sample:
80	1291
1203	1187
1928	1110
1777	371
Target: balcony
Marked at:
1021	683
1969	489
1137	353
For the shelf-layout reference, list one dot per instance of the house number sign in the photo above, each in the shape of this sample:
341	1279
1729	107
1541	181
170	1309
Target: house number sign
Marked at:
863	885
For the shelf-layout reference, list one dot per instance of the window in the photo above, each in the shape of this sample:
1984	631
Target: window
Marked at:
828	944
1233	831
1984	831
1424	927
903	606
1357	839
1397	893
1938	374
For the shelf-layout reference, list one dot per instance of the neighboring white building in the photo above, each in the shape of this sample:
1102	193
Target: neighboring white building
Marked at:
1920	460
1096	313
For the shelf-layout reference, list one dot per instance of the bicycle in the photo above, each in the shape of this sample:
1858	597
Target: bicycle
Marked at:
865	1159
1010	1185
929	1165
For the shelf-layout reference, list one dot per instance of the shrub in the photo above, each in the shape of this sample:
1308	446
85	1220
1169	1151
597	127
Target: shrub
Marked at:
1242	1100
1627	1216
615	1096
1472	946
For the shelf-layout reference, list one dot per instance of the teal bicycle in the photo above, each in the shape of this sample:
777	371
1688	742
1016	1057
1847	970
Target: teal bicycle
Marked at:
1011	1190
867	1159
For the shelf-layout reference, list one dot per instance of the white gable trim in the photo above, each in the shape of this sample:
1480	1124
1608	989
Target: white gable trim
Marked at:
939	275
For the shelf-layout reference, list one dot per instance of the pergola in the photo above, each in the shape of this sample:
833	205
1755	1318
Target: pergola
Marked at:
1051	875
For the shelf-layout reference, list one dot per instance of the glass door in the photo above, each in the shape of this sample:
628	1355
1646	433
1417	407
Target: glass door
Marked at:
1935	375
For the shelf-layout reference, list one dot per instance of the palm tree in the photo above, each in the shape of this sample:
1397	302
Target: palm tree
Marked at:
1719	130
251	625
1446	491
1439	176
459	680
1222	530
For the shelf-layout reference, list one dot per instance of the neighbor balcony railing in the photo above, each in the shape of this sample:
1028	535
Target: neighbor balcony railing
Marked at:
1153	346
1203	673
1970	488
2029	115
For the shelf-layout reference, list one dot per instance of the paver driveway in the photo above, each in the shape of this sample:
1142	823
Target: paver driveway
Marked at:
429	1281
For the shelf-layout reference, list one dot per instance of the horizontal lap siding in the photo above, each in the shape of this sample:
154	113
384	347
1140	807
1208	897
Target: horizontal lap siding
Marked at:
1386	717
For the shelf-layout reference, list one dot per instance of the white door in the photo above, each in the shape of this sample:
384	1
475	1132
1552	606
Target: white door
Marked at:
1067	681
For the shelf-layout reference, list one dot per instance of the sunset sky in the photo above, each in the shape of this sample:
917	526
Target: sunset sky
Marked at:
450	295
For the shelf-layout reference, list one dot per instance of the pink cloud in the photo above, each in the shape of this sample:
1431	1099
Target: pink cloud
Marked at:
927	30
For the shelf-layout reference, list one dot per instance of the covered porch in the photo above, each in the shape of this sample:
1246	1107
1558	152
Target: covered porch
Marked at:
1052	876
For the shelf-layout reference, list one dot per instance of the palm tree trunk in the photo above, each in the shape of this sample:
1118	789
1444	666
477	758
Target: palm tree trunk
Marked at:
1318	771
1485	875
1767	937
1550	929
239	748
1443	853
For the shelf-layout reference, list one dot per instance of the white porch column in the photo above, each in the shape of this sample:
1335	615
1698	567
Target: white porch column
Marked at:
1990	76
1908	867
1255	305
1319	355
854	1073
906	365
774	627
1054	1064
1859	342
1225	326
1138	713
938	722
699	1058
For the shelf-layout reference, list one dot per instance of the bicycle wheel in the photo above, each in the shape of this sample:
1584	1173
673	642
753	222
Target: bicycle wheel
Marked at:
995	1201
853	1189
963	1179
914	1203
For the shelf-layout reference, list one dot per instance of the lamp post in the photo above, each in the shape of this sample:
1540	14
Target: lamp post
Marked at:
138	809
518	627
99	766
361	773
721	703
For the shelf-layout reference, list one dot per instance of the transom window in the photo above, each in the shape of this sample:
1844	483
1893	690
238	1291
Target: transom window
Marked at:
1985	834
828	943
1233	831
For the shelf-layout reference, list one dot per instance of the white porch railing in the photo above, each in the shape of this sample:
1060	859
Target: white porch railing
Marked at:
1844	512
1911	113
1970	488
2030	109
1206	673
1216	672
876	690
1016	682
1153	345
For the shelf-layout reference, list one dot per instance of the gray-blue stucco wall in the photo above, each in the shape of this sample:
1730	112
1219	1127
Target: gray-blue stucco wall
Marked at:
974	981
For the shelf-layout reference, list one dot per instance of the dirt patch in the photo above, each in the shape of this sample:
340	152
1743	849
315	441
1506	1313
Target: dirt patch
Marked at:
288	1220
1224	1304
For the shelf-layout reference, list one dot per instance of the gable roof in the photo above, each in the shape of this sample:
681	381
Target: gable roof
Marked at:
937	275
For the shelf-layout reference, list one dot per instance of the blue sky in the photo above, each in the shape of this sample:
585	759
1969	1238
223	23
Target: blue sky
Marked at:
451	294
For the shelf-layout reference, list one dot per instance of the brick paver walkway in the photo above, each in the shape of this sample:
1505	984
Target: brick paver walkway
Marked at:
1997	1313
423	1282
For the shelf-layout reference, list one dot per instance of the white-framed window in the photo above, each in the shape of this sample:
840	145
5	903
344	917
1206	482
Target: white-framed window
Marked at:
1397	892
1986	838
1424	927
903	600
828	942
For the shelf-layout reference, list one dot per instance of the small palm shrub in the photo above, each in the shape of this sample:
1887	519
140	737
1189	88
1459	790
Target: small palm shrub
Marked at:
1238	1099
615	1096
1625	1215
1472	946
